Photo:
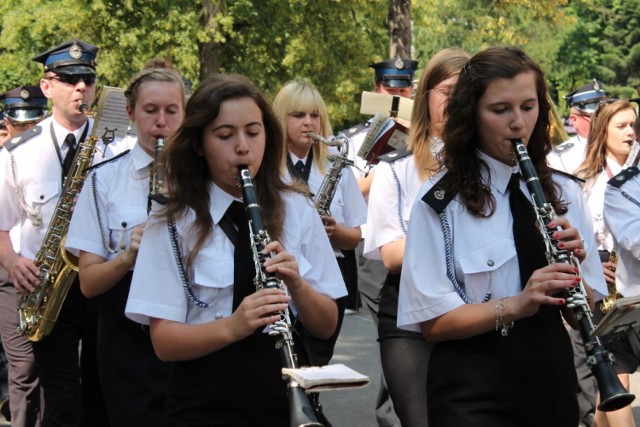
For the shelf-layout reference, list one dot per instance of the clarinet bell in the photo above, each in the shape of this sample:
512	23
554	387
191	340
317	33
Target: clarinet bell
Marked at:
613	395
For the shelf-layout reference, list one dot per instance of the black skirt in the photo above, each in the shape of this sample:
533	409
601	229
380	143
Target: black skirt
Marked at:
134	380
388	311
527	378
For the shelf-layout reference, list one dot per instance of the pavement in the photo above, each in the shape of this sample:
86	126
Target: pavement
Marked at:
358	349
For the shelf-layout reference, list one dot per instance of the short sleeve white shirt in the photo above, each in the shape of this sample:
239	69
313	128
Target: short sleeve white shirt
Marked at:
157	289
569	155
622	219
112	202
484	251
393	191
594	193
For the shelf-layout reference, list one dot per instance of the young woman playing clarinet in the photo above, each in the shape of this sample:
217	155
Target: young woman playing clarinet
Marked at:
200	300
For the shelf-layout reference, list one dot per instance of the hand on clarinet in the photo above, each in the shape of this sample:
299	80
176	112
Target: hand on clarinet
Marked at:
131	254
257	311
330	225
284	265
543	287
569	238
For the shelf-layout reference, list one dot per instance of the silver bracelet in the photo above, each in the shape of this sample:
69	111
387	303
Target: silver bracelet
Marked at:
500	325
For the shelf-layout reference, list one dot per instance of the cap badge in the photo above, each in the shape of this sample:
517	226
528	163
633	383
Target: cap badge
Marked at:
596	86
75	51
399	63
24	93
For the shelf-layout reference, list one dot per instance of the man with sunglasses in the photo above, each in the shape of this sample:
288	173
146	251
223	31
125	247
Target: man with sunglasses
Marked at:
583	101
33	167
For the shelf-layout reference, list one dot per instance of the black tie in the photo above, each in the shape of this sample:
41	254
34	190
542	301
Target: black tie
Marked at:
300	167
70	140
528	240
243	266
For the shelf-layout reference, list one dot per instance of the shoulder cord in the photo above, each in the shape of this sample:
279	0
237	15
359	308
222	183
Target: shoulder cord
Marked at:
448	248
186	284
403	226
109	249
630	198
35	213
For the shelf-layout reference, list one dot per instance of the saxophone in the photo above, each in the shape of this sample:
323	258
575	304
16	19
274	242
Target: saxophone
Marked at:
39	310
613	395
332	178
301	412
610	300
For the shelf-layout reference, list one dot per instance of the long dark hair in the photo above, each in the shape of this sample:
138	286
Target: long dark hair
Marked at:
188	178
460	133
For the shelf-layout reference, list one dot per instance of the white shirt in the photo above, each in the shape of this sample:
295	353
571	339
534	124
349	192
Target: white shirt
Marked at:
594	193
569	155
348	207
393	190
37	182
622	218
121	189
157	290
483	249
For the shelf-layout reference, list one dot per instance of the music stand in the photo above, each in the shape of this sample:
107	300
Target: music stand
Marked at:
624	316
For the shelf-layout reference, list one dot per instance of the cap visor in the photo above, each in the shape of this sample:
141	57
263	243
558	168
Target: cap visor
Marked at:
74	69
21	116
397	83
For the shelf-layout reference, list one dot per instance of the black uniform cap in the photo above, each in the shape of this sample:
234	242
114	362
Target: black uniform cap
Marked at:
71	57
587	97
25	104
395	72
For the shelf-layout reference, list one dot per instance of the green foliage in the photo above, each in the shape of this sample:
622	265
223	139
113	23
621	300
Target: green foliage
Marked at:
327	42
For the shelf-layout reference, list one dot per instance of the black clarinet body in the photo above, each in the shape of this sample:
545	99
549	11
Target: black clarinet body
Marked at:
613	395
301	412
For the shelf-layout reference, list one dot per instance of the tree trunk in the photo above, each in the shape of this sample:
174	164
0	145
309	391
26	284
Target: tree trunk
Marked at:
210	51
399	23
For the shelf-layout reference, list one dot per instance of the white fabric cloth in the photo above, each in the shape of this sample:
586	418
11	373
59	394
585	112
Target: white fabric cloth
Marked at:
594	193
122	189
569	155
393	190
348	207
483	250
157	290
622	218
38	181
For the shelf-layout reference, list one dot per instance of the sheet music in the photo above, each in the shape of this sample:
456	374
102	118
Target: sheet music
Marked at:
112	119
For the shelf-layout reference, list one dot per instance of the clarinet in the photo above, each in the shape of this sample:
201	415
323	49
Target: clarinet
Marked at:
613	395
156	177
300	411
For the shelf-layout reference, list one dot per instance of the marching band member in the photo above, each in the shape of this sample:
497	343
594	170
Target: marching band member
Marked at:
106	229
485	295
300	110
613	134
405	354
42	157
202	306
583	101
24	107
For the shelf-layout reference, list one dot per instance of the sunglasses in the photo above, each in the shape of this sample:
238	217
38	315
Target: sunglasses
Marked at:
73	79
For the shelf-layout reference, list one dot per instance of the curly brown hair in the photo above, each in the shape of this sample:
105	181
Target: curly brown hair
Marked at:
187	176
460	133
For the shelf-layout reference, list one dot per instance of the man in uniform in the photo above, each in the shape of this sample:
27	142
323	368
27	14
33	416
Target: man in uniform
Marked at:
569	155
393	76
4	132
32	167
24	107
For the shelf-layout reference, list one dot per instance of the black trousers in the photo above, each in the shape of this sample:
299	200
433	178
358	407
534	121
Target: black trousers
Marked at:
67	365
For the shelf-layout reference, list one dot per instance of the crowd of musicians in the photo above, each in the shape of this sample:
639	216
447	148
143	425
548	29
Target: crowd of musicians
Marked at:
442	241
